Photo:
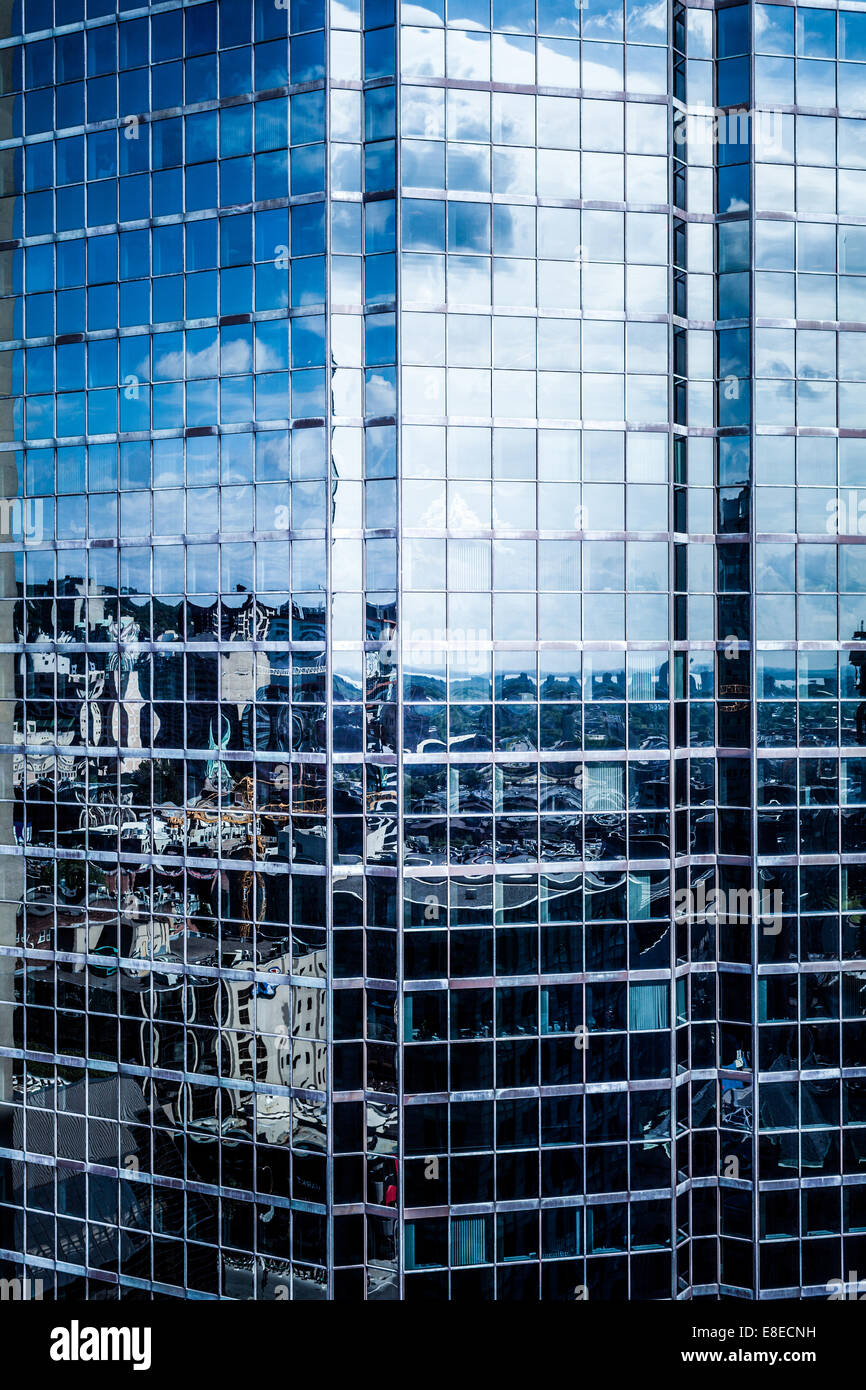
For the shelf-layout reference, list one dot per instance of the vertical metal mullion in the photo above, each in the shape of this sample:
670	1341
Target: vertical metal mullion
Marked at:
672	761
398	642
329	703
753	670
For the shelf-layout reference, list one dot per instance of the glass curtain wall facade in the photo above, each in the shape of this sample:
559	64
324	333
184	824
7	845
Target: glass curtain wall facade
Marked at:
432	637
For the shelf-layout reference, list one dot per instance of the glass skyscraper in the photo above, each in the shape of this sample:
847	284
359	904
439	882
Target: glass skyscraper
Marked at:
432	649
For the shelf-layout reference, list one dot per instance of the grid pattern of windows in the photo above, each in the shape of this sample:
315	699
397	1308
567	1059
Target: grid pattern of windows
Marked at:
165	785
808	462
432	648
